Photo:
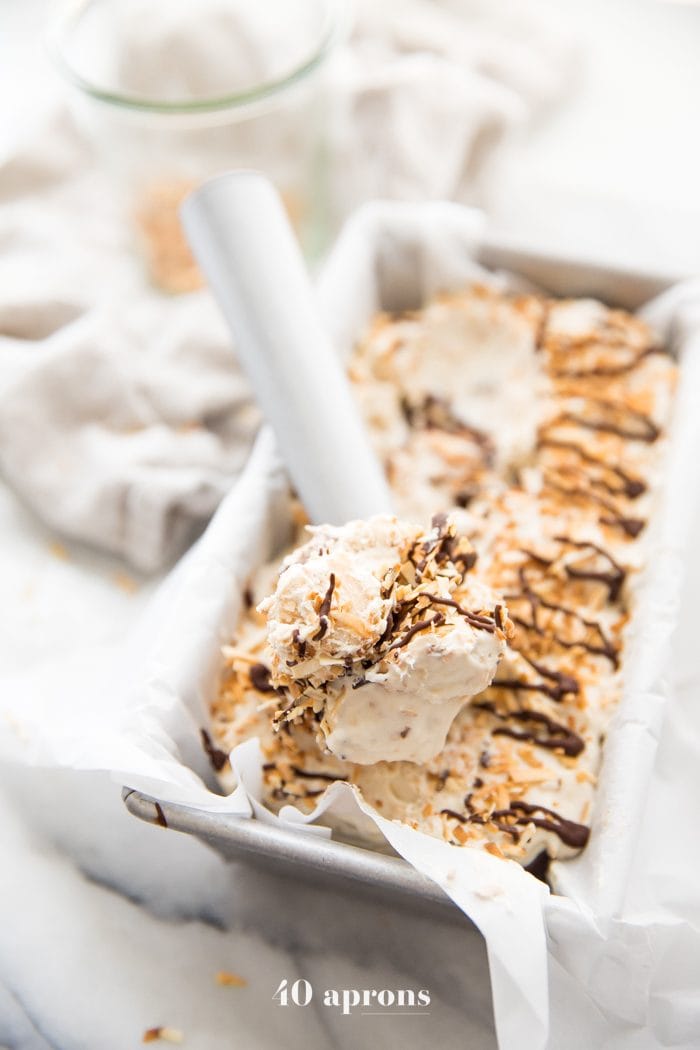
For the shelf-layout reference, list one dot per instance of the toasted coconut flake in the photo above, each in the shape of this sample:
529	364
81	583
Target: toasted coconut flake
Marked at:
230	980
163	1034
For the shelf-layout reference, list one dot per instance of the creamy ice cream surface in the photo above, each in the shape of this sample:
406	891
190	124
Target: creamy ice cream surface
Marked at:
540	426
381	631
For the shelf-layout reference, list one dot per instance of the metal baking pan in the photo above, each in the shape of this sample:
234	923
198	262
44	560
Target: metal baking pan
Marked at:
315	859
325	861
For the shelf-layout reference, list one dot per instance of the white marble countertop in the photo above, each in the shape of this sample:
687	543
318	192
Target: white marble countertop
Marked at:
109	927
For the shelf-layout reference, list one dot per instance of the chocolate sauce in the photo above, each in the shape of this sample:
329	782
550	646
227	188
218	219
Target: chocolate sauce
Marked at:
478	818
555	692
613	579
630	526
631	487
467	559
309	774
637	426
281	793
560	736
607	371
464	497
422	625
473	619
216	756
534	556
566	682
436	413
299	642
461	817
605	648
260	678
395	617
324	610
571	834
442	777
387	632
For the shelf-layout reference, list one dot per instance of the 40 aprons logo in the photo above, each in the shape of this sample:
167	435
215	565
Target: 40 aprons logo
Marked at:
363	1000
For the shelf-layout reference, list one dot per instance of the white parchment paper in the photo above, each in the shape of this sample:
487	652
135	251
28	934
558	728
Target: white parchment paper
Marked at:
567	969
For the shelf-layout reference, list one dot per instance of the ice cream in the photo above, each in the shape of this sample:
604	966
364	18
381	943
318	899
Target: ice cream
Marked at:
451	394
556	505
383	630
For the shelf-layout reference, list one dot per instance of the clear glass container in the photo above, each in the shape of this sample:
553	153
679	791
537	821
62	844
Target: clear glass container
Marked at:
173	91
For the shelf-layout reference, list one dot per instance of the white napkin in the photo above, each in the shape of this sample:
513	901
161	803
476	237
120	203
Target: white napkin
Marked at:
430	88
123	416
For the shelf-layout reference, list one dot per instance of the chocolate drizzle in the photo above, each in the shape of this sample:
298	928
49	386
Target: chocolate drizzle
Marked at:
566	682
479	818
280	793
421	625
608	371
555	692
216	756
586	629
615	418
325	609
613	578
309	774
299	643
260	678
569	831
559	737
483	623
630	526
461	817
630	487
436	413
521	813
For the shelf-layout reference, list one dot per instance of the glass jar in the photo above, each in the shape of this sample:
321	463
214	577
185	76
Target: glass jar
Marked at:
172	91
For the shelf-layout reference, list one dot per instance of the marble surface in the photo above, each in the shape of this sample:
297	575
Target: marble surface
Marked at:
109	927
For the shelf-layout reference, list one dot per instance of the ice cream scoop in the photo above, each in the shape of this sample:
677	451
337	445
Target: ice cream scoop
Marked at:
242	240
380	631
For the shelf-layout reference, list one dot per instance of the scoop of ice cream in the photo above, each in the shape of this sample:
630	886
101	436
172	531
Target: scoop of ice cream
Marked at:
381	632
465	366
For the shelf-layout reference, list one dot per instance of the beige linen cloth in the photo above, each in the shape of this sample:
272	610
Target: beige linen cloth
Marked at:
123	416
